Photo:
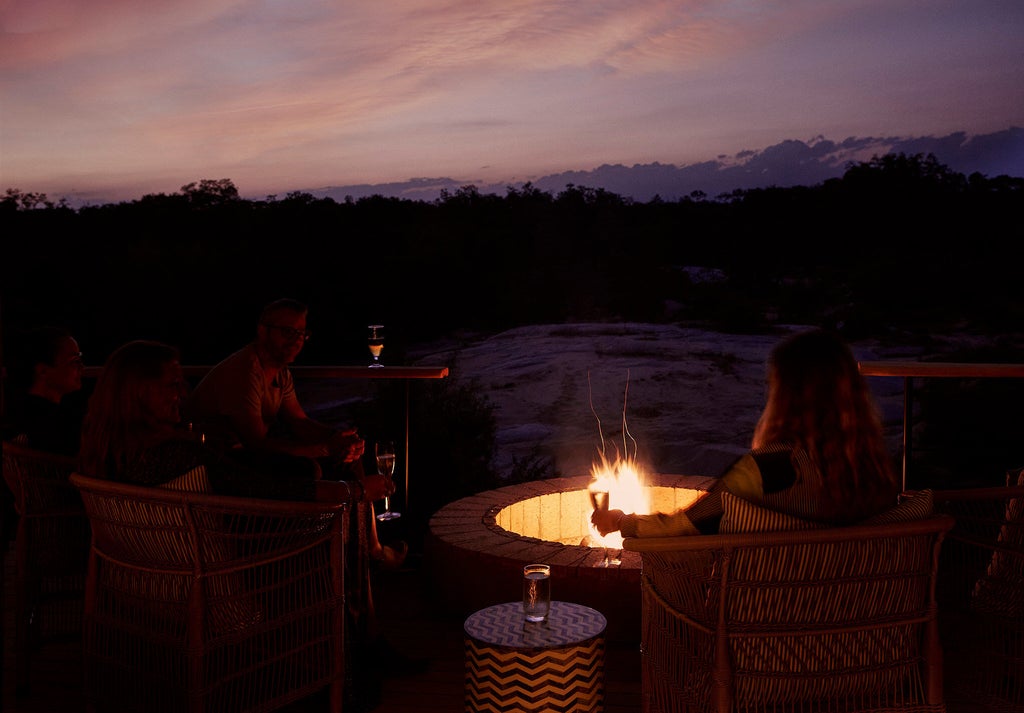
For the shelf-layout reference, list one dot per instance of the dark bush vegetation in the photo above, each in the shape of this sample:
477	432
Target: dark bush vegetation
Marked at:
898	244
900	247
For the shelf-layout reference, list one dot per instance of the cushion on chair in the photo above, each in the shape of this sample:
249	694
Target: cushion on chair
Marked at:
744	516
231	608
194	481
916	507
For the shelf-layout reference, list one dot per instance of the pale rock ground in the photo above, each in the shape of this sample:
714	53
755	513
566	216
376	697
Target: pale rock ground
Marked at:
689	398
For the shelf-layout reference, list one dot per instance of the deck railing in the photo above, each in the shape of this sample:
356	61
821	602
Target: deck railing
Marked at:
406	373
907	370
910	370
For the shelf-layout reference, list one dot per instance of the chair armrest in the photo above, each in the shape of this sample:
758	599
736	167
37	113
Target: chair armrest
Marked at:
334	492
935	523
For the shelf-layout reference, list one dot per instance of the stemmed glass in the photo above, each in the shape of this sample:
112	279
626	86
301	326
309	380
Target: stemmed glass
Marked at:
376	343
599	501
385	453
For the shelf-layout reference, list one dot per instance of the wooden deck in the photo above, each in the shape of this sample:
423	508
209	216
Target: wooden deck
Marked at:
408	621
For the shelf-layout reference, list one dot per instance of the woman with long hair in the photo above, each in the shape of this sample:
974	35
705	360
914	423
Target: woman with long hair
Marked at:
131	434
818	451
133	409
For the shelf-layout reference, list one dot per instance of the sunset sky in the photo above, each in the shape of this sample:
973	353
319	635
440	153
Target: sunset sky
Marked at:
118	98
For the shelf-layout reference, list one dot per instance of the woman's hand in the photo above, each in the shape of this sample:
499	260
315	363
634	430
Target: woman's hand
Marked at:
606	520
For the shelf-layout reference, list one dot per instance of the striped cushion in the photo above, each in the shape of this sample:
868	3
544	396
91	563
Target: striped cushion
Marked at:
194	481
744	516
916	507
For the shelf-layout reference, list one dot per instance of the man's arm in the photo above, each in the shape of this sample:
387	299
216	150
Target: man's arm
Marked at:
305	428
309	431
247	420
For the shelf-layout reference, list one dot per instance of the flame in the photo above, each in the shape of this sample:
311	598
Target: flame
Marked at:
623	480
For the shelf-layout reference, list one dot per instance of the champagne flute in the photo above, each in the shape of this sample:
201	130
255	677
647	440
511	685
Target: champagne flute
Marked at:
385	453
376	343
599	501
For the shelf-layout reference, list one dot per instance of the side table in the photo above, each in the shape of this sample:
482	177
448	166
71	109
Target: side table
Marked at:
516	665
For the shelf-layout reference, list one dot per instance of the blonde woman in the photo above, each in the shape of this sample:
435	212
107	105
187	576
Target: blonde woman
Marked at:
818	451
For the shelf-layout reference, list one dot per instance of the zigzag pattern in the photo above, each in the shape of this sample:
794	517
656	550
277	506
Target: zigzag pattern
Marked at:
515	666
566	679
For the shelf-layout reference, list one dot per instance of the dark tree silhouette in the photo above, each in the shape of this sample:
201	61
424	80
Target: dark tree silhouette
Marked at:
900	245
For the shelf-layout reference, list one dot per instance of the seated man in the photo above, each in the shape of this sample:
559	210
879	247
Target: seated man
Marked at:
249	400
46	404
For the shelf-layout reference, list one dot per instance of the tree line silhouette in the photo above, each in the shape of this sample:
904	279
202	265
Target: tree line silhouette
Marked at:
899	248
899	245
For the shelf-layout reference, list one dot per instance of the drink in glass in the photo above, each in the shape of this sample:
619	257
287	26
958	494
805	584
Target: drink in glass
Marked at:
376	343
536	591
385	454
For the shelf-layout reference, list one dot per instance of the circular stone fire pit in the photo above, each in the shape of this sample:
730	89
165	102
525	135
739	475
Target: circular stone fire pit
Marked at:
476	548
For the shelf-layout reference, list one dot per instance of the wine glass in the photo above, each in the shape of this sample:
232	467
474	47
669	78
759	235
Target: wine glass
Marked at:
385	452
376	343
599	501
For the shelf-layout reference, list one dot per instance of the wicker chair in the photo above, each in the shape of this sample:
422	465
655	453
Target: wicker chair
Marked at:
198	602
834	619
981	592
51	549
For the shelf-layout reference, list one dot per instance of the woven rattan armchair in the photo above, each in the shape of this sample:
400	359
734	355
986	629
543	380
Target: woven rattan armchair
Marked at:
981	593
198	602
835	619
51	548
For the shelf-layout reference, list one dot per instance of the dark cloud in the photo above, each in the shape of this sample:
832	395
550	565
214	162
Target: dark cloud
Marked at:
788	163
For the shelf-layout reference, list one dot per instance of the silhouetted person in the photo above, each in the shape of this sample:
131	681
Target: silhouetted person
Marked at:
249	400
818	451
132	434
46	376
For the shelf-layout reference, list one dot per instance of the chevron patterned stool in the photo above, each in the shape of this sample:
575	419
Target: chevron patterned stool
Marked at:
513	665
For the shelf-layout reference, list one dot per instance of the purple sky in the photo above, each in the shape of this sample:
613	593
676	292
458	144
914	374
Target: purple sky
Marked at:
117	98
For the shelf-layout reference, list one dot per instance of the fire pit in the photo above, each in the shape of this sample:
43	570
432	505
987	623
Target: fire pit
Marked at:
477	546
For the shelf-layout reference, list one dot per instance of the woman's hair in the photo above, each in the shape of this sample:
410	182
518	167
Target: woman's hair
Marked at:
116	428
819	401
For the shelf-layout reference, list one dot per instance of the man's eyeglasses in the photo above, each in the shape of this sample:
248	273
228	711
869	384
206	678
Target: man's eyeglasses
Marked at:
290	332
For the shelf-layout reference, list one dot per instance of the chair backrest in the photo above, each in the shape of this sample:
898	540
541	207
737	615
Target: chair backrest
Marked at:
200	582
51	551
981	589
38	480
182	531
789	618
983	561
